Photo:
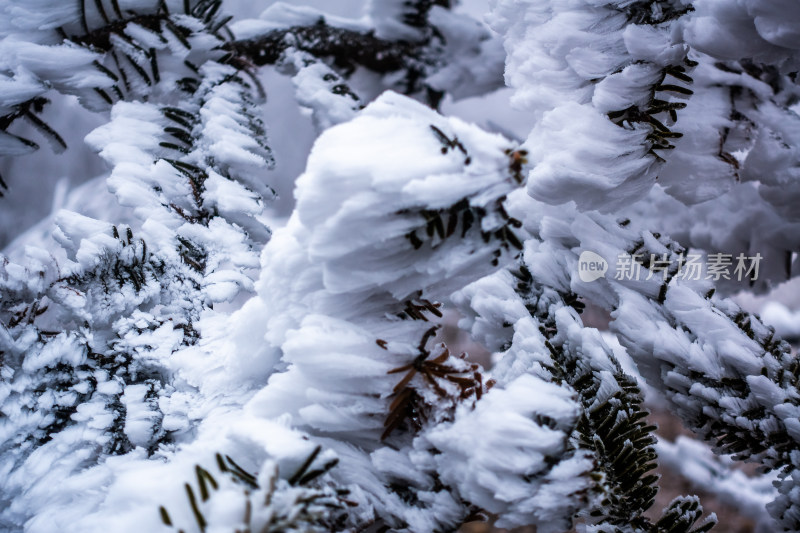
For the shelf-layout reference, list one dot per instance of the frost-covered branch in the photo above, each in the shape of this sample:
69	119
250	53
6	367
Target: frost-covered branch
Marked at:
725	373
363	371
539	331
420	48
607	80
141	48
346	48
719	476
84	348
727	376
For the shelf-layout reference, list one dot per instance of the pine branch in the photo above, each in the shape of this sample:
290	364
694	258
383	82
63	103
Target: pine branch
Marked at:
302	504
417	11
613	425
346	49
70	369
195	172
453	380
726	375
658	104
29	110
653	12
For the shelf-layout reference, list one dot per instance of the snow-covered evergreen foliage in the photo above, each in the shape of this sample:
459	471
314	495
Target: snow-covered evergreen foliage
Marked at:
192	364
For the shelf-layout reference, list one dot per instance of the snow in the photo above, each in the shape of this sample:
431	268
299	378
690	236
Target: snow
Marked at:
405	168
323	92
765	31
476	56
65	67
498	440
17	89
387	17
579	155
703	469
786	322
283	14
40	14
